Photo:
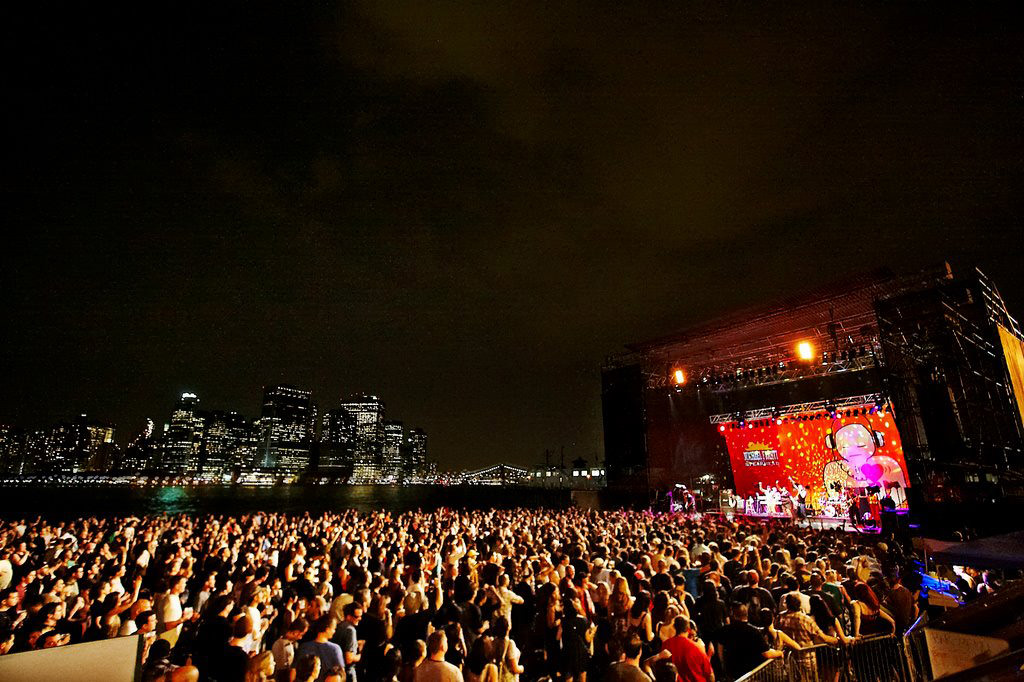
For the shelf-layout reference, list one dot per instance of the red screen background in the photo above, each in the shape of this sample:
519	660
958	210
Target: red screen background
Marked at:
800	448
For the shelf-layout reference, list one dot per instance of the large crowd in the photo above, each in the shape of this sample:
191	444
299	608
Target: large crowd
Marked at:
447	596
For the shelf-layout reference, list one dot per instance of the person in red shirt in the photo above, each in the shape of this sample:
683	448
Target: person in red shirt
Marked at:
692	664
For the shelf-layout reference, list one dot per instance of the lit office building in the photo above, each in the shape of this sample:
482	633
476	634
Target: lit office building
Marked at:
285	432
61	449
337	443
416	452
142	453
184	437
227	442
12	442
394	435
102	449
368	414
39	455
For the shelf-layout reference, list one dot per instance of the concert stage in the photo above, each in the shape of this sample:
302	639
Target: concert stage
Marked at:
817	522
823	459
882	392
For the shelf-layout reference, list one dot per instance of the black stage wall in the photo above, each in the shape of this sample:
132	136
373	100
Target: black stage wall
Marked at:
625	433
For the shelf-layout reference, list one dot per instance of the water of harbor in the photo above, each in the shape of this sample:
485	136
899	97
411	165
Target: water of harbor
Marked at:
76	501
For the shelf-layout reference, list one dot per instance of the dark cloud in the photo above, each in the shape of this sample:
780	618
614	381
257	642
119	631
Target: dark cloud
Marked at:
464	207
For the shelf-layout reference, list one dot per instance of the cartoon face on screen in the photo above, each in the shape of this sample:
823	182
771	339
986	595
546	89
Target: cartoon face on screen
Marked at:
860	463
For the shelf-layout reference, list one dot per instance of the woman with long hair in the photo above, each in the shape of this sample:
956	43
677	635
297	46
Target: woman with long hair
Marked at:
639	619
576	635
479	664
506	653
868	616
620	600
709	611
774	638
826	620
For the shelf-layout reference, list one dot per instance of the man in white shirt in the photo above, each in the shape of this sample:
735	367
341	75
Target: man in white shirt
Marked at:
143	623
170	612
506	597
6	569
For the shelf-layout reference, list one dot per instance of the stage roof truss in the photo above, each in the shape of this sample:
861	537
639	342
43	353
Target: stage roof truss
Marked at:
799	408
792	371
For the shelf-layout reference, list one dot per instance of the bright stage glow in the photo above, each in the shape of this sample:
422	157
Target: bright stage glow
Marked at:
679	376
851	451
804	350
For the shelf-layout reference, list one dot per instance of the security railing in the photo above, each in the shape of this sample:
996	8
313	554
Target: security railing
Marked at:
772	670
915	650
873	659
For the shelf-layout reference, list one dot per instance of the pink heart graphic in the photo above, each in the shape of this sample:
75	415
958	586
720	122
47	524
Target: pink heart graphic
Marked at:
873	472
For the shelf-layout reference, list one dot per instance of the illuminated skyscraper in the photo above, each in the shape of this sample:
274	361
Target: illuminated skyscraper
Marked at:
285	432
416	451
368	414
102	448
143	452
184	437
394	435
337	443
60	449
227	442
41	454
12	447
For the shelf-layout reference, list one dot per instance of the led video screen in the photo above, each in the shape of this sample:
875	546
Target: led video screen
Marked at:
829	456
1013	351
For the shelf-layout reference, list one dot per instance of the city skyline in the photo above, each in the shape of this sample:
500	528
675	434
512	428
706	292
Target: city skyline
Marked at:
289	437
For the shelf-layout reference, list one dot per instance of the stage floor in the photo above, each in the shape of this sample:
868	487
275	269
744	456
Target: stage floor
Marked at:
822	522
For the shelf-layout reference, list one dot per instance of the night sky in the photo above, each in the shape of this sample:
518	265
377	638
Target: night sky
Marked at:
463	207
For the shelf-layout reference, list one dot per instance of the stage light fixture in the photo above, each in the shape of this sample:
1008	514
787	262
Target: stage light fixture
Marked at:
679	376
805	351
722	427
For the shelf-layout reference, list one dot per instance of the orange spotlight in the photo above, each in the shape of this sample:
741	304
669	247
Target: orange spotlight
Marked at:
804	350
679	376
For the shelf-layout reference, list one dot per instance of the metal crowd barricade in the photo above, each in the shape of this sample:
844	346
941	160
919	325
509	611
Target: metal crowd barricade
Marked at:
878	659
915	649
873	659
822	662
772	670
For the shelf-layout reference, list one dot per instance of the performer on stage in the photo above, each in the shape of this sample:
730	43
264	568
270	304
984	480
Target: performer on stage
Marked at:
799	500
